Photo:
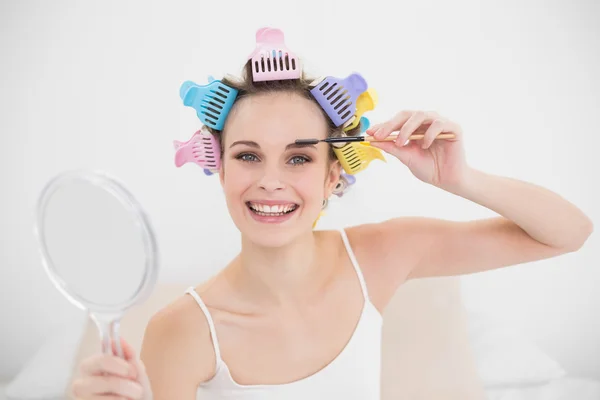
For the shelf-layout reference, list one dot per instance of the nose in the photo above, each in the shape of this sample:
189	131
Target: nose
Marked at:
271	179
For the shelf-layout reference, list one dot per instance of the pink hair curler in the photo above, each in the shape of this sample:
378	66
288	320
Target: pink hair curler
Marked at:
203	149
271	59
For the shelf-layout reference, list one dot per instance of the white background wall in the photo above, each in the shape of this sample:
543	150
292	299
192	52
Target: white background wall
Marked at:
95	85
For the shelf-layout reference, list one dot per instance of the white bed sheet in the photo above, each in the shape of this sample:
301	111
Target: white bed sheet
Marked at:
2	390
4	397
560	389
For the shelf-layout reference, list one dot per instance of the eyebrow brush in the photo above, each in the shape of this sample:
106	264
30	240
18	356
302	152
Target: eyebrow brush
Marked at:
347	139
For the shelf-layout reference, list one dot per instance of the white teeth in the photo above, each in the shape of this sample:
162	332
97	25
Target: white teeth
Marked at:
272	210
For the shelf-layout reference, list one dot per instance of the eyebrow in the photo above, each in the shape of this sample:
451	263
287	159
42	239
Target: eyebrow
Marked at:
255	145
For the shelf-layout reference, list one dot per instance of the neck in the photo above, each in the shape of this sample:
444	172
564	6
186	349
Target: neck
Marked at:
282	276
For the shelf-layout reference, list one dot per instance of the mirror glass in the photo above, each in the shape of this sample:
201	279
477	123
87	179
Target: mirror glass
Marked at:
94	244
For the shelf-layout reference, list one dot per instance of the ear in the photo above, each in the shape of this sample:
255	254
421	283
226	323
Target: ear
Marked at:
333	176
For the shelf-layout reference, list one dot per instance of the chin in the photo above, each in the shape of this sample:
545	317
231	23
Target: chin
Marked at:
270	240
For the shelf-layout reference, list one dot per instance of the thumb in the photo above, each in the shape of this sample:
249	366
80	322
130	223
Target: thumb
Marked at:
128	350
131	356
140	369
140	375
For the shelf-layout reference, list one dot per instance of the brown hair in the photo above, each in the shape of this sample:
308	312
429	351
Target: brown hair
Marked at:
247	87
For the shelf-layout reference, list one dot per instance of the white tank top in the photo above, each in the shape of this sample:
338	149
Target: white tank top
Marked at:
353	374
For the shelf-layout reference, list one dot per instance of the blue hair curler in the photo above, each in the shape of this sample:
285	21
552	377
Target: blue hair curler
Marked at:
364	124
212	102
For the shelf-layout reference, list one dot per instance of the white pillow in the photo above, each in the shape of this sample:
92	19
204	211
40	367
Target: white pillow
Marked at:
506	358
47	373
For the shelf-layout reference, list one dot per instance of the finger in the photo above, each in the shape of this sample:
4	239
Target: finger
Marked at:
411	126
106	385
139	368
106	364
372	129
131	356
432	132
395	123
454	128
128	350
141	375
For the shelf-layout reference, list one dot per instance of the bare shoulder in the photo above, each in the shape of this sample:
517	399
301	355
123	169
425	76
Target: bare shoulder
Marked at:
371	243
177	350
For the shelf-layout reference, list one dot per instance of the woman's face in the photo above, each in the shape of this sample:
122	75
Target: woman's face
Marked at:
274	188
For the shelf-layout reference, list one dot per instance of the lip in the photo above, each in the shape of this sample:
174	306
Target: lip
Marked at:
272	202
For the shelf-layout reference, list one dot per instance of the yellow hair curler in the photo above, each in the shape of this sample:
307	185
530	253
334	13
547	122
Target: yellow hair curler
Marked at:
356	156
367	101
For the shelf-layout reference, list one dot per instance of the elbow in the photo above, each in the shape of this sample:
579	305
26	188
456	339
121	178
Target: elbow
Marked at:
578	239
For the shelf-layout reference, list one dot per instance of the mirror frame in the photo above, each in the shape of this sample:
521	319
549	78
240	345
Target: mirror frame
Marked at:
108	183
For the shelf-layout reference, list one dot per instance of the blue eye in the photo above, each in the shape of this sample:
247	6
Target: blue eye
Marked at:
246	157
249	157
299	160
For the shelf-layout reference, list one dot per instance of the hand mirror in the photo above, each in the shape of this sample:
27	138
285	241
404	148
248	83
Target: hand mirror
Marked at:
97	248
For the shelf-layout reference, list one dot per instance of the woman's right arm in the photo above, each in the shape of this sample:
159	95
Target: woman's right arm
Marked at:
176	356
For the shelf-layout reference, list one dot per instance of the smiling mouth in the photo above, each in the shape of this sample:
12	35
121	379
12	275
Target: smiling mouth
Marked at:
272	211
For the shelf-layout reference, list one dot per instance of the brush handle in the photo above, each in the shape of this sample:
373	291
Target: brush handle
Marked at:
417	136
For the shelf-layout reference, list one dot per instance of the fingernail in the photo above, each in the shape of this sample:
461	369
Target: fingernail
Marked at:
379	133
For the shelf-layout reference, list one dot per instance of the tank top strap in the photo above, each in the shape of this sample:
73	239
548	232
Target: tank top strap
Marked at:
350	252
211	325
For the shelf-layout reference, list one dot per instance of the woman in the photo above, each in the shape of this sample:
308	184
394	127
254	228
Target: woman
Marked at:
297	314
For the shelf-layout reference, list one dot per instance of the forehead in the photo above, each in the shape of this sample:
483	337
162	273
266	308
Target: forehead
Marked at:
275	118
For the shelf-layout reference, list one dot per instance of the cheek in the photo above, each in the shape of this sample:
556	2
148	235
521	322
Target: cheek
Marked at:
309	182
236	179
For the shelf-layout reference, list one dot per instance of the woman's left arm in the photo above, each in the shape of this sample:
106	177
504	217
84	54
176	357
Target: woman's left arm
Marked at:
534	223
